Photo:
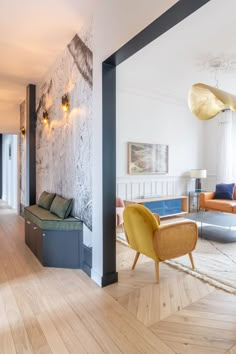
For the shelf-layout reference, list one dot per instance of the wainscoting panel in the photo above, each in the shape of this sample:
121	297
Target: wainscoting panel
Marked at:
133	187
136	187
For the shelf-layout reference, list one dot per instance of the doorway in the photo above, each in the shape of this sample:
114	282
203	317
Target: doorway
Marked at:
9	174
169	19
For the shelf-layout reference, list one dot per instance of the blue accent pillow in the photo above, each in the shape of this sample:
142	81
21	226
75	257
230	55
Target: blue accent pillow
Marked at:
224	191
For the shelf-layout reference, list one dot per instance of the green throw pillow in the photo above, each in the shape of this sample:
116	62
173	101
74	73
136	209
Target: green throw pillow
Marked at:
61	206
45	200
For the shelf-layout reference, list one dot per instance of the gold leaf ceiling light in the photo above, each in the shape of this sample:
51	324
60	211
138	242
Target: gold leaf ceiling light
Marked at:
205	102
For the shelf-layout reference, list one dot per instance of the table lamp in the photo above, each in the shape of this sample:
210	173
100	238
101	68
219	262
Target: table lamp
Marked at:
198	174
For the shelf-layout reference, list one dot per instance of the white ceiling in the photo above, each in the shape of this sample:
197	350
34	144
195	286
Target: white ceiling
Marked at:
32	35
184	56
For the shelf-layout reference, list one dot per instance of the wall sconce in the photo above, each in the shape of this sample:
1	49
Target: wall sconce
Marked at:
22	130
65	102
45	117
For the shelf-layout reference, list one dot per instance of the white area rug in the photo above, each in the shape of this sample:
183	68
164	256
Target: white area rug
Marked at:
215	263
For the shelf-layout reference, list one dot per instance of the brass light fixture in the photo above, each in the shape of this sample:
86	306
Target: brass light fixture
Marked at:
205	102
45	117
65	103
22	130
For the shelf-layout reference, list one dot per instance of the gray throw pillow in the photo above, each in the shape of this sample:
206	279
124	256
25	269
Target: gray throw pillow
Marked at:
45	200
61	206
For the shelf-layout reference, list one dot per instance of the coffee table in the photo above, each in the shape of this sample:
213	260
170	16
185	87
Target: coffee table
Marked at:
218	225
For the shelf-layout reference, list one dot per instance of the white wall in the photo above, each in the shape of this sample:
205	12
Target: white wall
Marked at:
115	22
210	149
234	146
144	118
9	168
9	118
141	118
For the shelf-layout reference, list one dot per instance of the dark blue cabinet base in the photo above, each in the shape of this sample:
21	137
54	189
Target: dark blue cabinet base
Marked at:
55	248
62	249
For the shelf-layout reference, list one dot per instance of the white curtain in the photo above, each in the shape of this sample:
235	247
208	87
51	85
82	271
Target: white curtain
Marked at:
224	147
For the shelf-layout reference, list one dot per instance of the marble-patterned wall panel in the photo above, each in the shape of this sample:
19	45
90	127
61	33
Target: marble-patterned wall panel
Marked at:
63	145
22	162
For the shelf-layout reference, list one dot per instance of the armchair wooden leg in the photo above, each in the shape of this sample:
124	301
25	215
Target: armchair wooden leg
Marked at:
135	260
191	259
157	271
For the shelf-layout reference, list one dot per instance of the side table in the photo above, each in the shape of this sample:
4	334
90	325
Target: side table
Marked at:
194	201
165	207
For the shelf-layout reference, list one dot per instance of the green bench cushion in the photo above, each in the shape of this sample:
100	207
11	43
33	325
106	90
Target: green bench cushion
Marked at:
48	221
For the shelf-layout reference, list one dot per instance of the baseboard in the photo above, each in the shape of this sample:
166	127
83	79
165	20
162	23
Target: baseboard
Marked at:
22	207
110	278
86	265
96	277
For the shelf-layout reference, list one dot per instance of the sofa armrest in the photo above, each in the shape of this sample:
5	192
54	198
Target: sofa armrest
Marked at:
204	196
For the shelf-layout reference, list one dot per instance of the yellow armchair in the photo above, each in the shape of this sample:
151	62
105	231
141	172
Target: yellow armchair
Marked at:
160	242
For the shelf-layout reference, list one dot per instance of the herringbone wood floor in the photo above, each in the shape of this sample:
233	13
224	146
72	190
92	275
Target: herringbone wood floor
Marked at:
188	315
48	310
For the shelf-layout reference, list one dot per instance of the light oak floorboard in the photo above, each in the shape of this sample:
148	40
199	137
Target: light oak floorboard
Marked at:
49	310
232	350
186	348
190	316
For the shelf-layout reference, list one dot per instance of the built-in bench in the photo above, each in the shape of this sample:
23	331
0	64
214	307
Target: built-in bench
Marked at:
56	242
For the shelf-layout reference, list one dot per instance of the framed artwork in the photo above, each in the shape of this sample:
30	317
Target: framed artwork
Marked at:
144	158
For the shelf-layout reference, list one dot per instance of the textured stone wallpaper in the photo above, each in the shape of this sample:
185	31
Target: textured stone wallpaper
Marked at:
63	145
22	162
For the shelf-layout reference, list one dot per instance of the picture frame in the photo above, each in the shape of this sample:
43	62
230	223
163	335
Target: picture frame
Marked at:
146	158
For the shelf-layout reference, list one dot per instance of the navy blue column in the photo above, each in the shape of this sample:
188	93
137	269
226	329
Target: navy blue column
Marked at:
30	143
109	174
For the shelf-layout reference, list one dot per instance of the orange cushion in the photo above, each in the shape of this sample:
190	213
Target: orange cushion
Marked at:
221	205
